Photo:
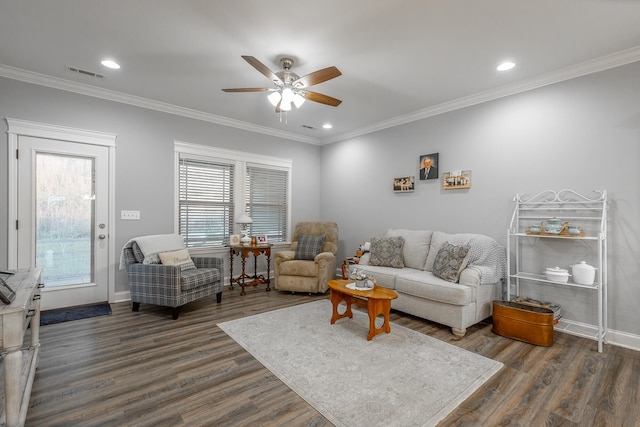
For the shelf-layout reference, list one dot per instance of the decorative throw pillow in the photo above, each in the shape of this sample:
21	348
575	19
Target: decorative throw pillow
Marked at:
387	252
309	246
179	258
137	253
450	262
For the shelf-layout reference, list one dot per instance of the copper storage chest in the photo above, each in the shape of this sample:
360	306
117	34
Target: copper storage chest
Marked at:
533	325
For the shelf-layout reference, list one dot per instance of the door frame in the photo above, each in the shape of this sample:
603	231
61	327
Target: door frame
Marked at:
18	128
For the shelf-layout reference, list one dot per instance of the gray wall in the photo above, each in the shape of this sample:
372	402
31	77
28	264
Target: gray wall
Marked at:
582	134
144	155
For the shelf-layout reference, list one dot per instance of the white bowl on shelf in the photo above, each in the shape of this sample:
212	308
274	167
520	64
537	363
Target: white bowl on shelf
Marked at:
557	274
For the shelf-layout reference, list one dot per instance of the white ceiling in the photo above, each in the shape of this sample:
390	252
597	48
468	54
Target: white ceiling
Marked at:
400	60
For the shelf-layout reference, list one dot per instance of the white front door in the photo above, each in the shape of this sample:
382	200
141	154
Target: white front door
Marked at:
63	218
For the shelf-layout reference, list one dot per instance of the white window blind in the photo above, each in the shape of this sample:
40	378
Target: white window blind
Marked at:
267	201
206	201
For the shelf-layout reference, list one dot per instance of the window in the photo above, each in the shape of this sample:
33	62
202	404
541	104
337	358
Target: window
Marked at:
215	186
205	202
267	202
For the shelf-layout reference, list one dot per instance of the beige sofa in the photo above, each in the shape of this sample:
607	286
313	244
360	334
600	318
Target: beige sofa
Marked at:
420	293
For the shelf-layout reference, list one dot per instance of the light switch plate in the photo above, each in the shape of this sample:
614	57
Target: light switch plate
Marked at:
129	214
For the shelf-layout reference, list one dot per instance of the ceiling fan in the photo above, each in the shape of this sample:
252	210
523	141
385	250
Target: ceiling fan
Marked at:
289	87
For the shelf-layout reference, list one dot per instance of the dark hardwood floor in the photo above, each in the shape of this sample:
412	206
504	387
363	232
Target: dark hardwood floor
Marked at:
145	369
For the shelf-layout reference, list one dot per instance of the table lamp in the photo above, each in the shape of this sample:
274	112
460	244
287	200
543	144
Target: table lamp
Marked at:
243	220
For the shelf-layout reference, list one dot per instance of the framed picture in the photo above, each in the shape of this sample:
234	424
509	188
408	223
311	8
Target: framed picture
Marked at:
403	184
6	293
429	166
456	180
262	240
234	239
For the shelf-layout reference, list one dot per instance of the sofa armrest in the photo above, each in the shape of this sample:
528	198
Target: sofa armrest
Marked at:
470	277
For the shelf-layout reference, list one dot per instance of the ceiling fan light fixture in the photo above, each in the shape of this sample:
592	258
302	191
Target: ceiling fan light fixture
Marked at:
274	98
285	106
298	100
287	95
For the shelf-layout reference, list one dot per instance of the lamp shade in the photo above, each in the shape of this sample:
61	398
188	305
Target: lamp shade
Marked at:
244	219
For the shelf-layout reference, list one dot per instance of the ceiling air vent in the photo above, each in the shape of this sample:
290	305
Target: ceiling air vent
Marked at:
84	72
308	127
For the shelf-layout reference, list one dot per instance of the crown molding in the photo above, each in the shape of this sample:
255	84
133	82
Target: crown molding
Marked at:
588	67
137	101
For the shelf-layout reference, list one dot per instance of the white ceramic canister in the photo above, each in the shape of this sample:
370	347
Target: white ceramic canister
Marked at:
583	273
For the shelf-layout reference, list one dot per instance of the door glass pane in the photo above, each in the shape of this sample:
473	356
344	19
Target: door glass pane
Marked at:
64	212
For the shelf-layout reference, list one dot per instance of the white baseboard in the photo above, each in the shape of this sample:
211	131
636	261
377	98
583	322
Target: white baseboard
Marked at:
619	338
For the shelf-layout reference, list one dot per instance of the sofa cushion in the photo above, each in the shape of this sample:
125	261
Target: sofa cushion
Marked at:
384	276
416	246
424	284
387	252
180	258
309	246
450	261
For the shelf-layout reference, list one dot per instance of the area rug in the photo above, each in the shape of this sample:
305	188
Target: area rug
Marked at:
404	378
74	313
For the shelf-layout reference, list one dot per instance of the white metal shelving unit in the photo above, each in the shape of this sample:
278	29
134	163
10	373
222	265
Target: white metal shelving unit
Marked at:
590	213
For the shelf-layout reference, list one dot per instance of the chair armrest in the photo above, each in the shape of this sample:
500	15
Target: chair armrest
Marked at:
208	262
283	256
324	256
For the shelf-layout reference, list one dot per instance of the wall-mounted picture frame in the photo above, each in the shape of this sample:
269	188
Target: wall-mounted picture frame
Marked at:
234	239
429	166
456	180
262	240
405	184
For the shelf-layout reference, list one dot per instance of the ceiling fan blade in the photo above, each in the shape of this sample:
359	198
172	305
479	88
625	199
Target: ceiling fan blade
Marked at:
262	68
319	76
318	97
247	89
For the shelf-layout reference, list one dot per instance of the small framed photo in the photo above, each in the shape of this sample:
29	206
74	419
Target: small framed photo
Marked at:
262	240
405	184
429	166
7	295
234	239
455	180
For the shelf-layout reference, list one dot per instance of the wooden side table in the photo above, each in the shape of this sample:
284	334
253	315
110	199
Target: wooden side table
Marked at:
244	279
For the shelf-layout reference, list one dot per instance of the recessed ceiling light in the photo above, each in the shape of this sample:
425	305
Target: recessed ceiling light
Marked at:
327	126
110	64
507	65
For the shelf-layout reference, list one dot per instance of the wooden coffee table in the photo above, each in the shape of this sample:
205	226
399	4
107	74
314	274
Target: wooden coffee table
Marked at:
377	301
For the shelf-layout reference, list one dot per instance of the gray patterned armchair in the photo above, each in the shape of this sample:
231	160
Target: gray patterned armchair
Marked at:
171	285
